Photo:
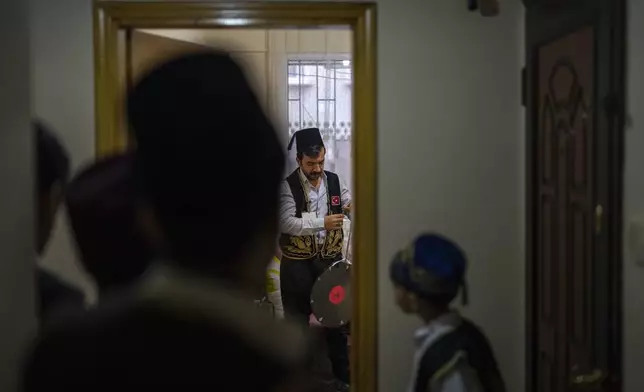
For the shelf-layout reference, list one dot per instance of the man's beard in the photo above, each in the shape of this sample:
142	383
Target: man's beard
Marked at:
313	175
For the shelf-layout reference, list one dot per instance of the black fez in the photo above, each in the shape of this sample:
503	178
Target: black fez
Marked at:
198	126
305	139
195	115
102	208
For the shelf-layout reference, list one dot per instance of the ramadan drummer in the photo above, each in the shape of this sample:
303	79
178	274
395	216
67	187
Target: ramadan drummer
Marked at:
313	203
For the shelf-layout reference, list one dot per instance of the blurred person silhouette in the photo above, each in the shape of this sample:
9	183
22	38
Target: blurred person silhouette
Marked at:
102	206
453	354
208	164
52	173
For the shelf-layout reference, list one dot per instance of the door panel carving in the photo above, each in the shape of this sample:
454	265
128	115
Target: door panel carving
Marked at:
565	212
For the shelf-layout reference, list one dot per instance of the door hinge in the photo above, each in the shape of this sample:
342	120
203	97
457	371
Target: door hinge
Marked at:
523	87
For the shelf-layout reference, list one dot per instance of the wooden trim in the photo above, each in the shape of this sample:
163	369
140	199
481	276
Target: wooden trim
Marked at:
364	342
530	204
616	192
129	77
107	85
109	16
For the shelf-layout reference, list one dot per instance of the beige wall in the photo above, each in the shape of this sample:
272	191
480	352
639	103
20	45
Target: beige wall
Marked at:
449	150
62	94
265	53
17	317
451	159
634	202
261	41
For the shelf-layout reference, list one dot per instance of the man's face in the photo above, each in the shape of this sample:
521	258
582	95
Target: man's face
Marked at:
312	167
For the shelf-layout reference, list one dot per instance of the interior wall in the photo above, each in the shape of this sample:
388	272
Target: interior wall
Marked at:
62	75
633	344
450	119
265	53
248	47
17	316
258	40
450	151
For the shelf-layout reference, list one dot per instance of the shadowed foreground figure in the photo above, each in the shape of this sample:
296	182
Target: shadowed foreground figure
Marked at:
52	173
102	206
208	164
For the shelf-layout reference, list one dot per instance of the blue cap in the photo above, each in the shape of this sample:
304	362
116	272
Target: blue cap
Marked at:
431	266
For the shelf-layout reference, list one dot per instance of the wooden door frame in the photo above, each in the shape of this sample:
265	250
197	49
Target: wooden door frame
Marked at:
110	16
614	174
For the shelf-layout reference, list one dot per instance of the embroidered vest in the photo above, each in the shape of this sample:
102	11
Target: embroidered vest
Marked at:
306	247
468	341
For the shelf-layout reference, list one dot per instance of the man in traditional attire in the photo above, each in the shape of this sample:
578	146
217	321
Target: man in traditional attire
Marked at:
453	354
102	202
312	202
190	323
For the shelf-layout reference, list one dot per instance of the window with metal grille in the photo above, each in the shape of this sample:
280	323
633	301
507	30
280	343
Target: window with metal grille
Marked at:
319	95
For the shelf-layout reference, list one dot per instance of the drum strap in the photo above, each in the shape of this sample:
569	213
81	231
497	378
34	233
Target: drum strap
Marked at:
301	205
334	190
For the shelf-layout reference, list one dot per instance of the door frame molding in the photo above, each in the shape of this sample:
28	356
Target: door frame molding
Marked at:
614	171
111	16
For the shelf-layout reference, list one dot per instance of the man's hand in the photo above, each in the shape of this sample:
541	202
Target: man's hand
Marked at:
347	208
333	222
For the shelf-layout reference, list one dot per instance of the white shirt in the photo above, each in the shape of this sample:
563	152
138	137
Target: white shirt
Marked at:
318	207
461	377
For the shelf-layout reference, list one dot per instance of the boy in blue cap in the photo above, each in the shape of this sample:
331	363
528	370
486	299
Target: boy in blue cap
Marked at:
453	354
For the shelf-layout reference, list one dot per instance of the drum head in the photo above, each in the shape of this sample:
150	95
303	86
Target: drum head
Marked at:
331	296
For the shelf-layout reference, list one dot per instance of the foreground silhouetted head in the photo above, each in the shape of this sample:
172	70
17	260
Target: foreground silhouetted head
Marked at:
52	173
208	162
103	206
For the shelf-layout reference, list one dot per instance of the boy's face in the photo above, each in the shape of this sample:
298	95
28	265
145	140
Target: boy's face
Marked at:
403	299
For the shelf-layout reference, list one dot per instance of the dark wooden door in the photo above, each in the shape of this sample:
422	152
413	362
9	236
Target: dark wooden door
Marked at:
572	97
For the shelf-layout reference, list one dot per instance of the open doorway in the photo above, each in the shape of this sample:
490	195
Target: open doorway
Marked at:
304	80
312	67
304	77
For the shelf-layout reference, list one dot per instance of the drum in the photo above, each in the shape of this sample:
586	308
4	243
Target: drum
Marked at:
331	295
